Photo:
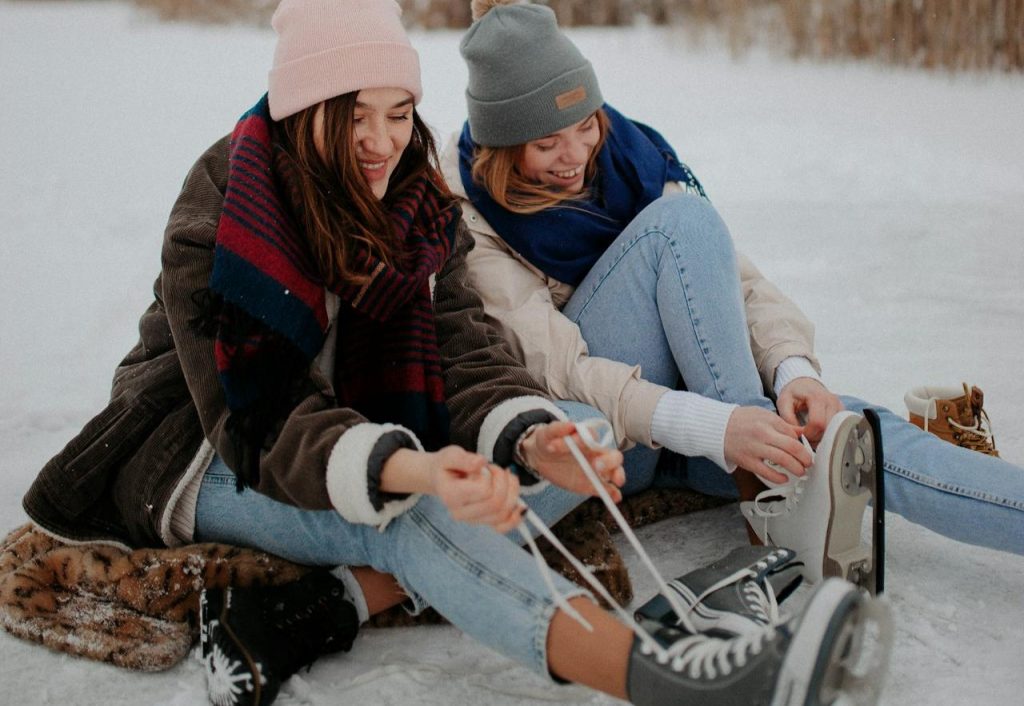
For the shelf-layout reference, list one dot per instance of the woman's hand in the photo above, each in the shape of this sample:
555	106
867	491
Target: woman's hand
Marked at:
475	491
545	450
754	435
809	397
471	489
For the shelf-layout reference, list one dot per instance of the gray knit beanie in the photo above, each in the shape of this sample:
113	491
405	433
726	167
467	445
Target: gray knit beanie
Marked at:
526	79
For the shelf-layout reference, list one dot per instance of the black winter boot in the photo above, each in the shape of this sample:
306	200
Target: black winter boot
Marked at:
253	639
737	594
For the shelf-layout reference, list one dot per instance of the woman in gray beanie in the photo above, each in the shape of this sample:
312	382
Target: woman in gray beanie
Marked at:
588	229
560	192
605	265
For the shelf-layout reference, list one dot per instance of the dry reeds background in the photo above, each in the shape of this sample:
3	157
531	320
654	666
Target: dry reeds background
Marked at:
952	34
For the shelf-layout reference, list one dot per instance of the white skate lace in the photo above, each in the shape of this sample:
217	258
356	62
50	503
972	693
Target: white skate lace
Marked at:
761	601
708	657
780	500
697	652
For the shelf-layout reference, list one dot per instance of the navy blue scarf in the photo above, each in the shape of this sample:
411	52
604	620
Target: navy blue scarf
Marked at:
564	242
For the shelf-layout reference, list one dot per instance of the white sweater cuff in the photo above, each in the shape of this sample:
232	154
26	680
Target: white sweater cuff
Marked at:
791	368
692	425
347	485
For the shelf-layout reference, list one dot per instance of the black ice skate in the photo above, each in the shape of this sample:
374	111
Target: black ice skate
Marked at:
835	652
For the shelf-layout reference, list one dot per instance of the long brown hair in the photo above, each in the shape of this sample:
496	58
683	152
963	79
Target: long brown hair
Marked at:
497	170
336	207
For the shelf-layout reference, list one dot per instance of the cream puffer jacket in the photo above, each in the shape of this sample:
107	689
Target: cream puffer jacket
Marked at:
525	305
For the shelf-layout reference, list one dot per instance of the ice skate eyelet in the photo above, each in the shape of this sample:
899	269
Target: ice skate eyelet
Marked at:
646	649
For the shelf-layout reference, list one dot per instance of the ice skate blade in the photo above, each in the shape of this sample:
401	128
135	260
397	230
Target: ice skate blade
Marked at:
852	459
859	660
840	650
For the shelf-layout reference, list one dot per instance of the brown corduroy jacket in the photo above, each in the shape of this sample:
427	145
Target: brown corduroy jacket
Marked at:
122	477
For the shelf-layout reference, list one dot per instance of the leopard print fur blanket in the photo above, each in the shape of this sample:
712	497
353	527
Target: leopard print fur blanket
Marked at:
138	609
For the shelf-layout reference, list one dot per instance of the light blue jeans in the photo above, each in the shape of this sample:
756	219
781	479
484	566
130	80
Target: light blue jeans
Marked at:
666	296
483	582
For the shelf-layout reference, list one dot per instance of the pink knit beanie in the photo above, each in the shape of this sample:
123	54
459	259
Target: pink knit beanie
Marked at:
329	47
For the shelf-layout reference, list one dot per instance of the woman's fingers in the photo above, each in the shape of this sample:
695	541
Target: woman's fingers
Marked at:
495	504
784	459
762	469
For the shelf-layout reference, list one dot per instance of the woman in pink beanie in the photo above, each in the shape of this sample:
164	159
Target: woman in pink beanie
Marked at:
311	372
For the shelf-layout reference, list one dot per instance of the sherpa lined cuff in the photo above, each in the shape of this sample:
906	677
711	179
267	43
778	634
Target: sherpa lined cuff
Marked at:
505	424
354	468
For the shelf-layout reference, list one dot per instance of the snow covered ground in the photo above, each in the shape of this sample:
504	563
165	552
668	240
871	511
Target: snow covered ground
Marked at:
889	204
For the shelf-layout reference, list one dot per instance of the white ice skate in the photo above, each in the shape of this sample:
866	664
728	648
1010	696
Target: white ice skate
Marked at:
820	515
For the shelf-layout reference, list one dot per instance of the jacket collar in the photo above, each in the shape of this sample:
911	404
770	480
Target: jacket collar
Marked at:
453	177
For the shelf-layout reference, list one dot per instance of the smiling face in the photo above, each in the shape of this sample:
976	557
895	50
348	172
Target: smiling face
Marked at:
382	125
382	128
560	159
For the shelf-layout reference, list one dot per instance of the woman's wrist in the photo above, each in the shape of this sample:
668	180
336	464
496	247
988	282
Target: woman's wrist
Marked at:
524	450
408	471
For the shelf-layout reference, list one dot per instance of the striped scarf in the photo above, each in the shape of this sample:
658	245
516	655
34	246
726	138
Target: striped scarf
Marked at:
271	316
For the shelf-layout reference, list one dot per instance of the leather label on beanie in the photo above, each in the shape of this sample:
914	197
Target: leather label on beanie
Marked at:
571	98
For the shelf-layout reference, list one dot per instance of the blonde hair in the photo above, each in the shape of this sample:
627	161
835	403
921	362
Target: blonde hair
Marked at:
496	169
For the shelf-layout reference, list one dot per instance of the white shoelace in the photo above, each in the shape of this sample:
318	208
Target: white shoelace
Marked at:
700	655
976	428
762	600
780	500
697	653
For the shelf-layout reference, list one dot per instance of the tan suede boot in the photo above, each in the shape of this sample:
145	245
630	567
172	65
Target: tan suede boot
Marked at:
953	414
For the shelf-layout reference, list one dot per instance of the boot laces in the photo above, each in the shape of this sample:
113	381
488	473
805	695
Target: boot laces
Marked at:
977	436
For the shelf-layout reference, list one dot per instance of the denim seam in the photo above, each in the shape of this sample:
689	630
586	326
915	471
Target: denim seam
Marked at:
953	489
